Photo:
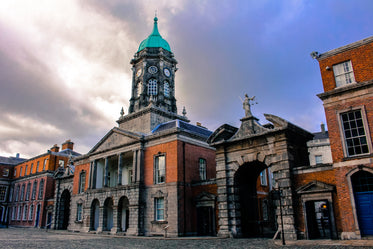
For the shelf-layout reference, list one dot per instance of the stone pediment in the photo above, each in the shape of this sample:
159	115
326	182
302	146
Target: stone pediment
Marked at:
315	187
114	138
223	133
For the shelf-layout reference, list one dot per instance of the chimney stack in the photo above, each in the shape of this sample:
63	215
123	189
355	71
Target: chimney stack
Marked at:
17	155
322	127
68	145
55	148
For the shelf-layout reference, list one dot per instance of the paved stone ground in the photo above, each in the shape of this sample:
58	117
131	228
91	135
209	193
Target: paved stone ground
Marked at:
34	238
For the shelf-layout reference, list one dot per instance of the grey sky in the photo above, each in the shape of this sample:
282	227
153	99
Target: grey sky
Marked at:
65	72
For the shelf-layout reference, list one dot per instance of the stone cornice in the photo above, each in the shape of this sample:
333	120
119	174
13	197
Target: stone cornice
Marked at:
345	89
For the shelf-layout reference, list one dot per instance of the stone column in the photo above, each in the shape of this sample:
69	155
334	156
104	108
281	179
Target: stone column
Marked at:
94	175
106	179
135	167
90	179
120	167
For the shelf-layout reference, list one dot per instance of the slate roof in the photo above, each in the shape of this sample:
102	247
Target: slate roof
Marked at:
204	132
320	135
11	160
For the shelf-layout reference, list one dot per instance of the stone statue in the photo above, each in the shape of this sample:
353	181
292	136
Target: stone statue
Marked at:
246	105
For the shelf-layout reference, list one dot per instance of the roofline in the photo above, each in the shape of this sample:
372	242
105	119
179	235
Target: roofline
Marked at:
345	48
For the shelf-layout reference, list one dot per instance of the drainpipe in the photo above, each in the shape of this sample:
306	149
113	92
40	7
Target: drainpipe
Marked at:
184	178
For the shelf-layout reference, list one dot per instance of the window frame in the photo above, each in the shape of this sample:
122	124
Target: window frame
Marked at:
202	169
82	183
34	187
28	189
22	195
79	212
152	87
342	131
318	159
157	176
339	83
157	208
263	177
5	189
31	212
41	189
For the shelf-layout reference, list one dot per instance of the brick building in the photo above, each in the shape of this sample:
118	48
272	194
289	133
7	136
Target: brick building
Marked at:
152	174
6	171
343	191
33	186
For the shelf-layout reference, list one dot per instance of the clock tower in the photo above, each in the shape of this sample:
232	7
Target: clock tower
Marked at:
153	77
153	86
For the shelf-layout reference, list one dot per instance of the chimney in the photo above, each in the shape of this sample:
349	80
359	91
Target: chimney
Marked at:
55	148
68	145
17	155
322	127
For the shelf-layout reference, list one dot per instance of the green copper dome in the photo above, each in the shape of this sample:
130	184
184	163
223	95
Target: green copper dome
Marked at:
154	40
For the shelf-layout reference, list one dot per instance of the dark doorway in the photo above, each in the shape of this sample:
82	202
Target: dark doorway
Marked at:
95	215
64	210
245	188
362	183
123	214
206	221
318	220
37	215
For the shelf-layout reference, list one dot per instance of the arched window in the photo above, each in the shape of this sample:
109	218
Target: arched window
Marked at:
28	191
33	196
166	89
31	212
41	189
152	87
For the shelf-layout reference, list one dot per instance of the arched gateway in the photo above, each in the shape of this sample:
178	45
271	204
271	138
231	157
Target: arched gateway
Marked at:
241	156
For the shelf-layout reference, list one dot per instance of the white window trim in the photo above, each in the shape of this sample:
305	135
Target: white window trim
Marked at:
344	73
366	128
156	169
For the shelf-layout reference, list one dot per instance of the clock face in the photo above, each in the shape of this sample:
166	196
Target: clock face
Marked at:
152	69
167	72
138	73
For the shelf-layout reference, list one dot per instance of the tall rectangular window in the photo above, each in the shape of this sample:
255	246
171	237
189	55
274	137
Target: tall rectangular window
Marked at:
159	208
26	169
202	169
45	163
22	192
14	212
17	193
343	73
3	190
354	133
37	167
79	212
28	191
160	169
25	212
19	213
81	182
263	178
41	189
33	195
20	172
31	168
31	212
15	172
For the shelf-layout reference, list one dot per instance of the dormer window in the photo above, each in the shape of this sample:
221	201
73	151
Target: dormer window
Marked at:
343	73
152	87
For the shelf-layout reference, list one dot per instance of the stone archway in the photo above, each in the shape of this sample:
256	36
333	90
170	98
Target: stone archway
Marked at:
108	215
95	215
64	210
278	145
123	214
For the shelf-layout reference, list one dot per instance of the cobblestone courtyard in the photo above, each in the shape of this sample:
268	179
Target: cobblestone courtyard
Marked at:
34	238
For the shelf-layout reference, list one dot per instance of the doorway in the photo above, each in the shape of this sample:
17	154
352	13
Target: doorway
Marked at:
206	221
318	219
95	215
64	210
123	214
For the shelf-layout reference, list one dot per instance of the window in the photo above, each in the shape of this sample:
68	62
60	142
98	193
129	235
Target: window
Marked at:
79	212
17	194
343	73
15	172
166	89
202	169
130	175
25	213
31	168
318	159
159	208
152	87
3	190
20	172
45	163
14	212
41	189
11	194
37	167
6	172
19	213
61	163
28	191
354	133
263	178
21	198
81	182
31	212
26	169
33	195
160	169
